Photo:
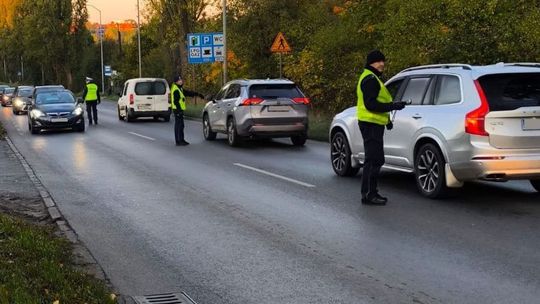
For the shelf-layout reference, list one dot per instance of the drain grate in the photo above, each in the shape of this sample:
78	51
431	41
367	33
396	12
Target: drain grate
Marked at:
166	298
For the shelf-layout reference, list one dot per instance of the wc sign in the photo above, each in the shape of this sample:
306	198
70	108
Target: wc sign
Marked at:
205	47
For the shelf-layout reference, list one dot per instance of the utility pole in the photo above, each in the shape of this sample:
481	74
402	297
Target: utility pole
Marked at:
139	37
100	33
224	4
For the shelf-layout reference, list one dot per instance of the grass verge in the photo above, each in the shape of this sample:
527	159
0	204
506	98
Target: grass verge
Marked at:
319	123
35	267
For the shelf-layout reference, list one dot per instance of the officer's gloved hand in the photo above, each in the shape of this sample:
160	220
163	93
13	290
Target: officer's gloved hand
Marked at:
400	105
389	126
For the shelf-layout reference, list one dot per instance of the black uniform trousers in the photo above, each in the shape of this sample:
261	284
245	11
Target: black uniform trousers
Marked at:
372	135
91	111
179	126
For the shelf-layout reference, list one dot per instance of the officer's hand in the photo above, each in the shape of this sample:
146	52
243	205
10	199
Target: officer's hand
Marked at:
400	105
201	96
389	126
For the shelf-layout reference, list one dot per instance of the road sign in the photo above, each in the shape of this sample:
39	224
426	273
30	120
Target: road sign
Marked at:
280	44
107	70
205	47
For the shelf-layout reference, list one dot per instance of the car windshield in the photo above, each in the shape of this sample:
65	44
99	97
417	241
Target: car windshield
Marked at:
25	93
54	98
506	92
9	91
273	91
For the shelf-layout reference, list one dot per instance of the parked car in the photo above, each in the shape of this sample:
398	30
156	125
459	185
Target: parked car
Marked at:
257	108
6	96
55	110
144	97
21	99
465	123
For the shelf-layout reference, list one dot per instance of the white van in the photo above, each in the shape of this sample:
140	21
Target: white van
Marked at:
144	97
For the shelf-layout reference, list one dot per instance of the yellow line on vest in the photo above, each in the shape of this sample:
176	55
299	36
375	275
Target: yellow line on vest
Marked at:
142	136
294	181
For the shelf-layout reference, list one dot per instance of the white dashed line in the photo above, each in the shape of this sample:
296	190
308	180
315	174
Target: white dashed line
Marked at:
142	136
276	175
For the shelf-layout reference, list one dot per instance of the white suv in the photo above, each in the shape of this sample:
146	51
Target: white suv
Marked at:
465	123
144	97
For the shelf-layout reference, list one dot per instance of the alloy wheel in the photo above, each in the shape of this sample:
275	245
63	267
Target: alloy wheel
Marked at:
339	153
428	171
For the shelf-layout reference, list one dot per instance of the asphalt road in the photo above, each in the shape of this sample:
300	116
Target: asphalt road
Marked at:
206	220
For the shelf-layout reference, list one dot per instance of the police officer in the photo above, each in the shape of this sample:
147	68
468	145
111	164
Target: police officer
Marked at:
374	107
178	106
92	99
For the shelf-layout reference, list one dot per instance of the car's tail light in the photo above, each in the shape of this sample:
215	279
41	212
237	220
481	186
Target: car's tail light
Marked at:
131	99
475	121
252	101
302	100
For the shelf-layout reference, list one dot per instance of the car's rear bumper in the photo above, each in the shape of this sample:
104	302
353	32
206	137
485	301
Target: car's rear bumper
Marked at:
273	128
134	113
499	168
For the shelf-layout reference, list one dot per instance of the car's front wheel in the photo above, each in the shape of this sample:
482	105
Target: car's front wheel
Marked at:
207	129
340	154
33	129
430	172
536	184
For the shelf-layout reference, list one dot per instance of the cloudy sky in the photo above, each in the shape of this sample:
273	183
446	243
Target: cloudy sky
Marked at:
114	10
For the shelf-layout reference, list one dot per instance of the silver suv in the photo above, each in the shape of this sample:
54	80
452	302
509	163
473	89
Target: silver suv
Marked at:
257	108
465	123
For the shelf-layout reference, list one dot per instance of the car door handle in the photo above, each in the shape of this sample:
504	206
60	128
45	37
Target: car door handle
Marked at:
228	105
417	116
149	97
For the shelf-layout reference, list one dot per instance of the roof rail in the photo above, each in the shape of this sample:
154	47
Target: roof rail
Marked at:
440	66
522	64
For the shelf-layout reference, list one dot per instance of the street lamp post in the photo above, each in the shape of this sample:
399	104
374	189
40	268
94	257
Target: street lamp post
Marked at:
224	4
139	37
101	46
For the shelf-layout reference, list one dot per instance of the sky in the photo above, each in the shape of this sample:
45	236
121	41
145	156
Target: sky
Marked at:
114	10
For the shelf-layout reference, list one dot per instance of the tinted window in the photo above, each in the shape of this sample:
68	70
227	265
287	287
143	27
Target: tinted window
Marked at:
272	91
55	97
125	89
448	91
393	87
506	92
221	93
234	91
25	93
415	90
150	88
428	98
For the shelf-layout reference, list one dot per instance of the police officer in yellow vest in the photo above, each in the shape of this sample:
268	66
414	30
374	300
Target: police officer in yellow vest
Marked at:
374	107
92	99
178	106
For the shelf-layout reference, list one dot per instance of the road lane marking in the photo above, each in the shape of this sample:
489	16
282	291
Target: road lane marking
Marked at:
275	175
142	136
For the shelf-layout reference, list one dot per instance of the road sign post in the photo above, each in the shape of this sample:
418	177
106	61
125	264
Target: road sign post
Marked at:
280	46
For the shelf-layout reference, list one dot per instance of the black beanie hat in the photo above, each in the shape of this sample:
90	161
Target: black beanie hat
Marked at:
176	78
375	56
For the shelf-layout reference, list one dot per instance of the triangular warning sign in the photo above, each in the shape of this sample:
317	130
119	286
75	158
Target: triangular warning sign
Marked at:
280	45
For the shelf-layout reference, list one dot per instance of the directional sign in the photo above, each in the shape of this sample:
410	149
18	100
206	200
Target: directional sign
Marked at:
205	47
107	70
280	44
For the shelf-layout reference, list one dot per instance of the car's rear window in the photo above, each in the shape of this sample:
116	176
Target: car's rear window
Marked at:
9	91
506	92
151	88
272	91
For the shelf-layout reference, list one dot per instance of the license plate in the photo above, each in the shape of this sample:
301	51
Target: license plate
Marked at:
530	124
59	120
144	107
278	109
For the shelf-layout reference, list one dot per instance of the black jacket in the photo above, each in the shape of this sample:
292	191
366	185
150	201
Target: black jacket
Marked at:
370	88
187	93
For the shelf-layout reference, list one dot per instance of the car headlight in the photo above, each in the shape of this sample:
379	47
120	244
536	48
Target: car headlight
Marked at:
37	113
77	111
5	98
17	102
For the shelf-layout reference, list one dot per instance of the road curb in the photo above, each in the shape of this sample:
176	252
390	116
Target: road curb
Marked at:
89	262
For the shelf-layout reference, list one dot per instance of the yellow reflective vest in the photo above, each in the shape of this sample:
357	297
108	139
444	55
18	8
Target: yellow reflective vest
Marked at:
384	97
91	92
175	88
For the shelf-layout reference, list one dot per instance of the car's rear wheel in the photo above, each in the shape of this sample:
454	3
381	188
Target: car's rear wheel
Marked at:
430	172
128	117
536	184
120	114
207	129
232	135
166	118
299	140
340	154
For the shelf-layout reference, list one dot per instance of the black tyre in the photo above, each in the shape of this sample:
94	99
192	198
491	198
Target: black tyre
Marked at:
340	154
536	184
299	140
80	128
167	118
232	135
119	114
15	112
430	173
33	129
128	117
207	129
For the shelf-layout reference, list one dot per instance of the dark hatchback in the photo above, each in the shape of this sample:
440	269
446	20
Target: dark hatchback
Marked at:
55	110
